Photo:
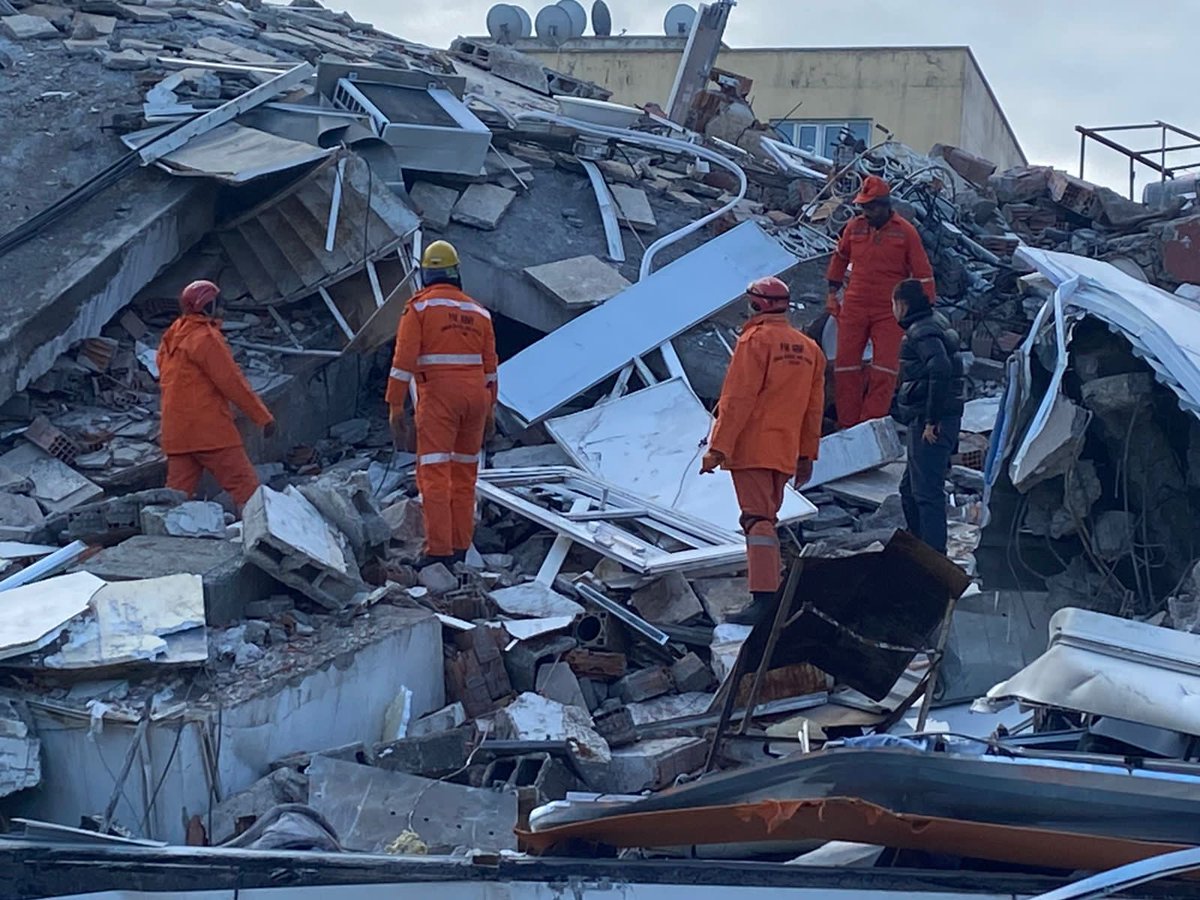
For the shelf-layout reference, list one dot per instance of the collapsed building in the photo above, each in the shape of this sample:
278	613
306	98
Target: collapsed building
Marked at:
291	682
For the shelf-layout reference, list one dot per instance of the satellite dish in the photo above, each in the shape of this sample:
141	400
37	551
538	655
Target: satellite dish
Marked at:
601	19
553	25
679	20
504	23
526	22
577	14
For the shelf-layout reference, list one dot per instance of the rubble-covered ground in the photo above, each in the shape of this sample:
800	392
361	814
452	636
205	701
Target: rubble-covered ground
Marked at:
291	674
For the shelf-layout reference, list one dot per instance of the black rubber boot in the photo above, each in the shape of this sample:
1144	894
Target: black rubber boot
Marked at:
447	561
760	607
460	556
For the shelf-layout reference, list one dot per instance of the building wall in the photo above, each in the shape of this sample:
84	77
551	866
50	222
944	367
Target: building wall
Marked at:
985	130
921	94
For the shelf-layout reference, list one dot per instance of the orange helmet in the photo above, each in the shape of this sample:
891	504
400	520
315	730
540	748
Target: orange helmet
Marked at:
768	295
873	188
197	295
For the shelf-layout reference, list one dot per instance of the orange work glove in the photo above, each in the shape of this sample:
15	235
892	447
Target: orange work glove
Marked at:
713	459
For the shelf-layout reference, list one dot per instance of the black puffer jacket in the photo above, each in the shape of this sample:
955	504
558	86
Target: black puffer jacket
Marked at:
931	385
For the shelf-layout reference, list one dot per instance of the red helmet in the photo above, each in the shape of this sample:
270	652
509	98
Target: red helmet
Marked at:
197	295
768	295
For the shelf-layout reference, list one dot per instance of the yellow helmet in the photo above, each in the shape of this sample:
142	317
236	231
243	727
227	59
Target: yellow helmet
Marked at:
439	255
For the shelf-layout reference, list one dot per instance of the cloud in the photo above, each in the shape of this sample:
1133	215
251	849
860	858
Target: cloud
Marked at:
1053	64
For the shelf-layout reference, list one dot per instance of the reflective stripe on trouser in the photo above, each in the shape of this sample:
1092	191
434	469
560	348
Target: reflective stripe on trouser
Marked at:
230	467
863	395
760	494
451	416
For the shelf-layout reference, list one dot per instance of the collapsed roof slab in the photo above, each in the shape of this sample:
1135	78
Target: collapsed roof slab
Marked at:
68	281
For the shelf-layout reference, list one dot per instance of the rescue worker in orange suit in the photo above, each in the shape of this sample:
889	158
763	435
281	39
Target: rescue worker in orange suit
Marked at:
768	428
883	249
445	344
200	381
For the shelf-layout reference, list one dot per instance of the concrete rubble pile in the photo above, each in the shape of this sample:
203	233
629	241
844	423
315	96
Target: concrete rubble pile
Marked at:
289	676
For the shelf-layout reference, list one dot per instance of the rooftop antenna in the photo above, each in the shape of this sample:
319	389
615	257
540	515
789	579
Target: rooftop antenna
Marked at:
601	19
679	20
554	25
577	14
526	22
504	23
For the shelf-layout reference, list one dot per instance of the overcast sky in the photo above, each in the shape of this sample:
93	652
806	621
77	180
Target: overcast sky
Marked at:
1054	64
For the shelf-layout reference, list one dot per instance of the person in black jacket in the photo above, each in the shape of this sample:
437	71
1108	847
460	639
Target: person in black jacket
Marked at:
929	401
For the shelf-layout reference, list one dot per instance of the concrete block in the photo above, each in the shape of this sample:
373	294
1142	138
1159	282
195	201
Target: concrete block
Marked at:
482	206
27	28
103	25
230	582
445	719
618	171
285	536
615	724
534	599
634	205
405	521
691	675
556	681
523	661
238	812
432	755
668	601
346	501
580	282
534	718
434	203
438	579
643	684
722	597
20	517
649	765
144	15
269	608
195	519
685	198
125	60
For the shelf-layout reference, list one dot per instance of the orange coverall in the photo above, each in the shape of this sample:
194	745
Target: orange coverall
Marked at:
882	258
446	342
199	381
768	418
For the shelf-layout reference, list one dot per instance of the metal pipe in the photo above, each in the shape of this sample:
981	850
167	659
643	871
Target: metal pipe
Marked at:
286	351
655	142
46	566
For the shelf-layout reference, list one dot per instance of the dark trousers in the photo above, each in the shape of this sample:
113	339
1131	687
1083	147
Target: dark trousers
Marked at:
923	487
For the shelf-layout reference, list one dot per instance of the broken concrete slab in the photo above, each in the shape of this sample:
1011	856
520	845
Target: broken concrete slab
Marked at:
56	486
434	755
445	719
405	520
144	15
20	750
642	684
125	60
34	615
670	706
236	813
20	517
82	47
434	203
27	28
346	501
285	536
192	519
438	578
369	808
556	681
230	581
534	718
524	629
722	597
866	446
535	600
152	620
650	765
103	25
668	601
691	675
634	206
482	206
579	282
530	457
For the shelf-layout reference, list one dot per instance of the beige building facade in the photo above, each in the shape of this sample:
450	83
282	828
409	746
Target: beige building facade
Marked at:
925	95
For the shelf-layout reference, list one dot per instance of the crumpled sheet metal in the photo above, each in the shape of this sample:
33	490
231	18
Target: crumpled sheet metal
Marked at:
1163	328
1109	666
848	819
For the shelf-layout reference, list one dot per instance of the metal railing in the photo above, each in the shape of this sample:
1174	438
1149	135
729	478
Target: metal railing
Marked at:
1163	159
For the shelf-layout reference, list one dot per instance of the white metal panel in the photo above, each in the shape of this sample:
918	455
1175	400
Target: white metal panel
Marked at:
602	341
648	442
